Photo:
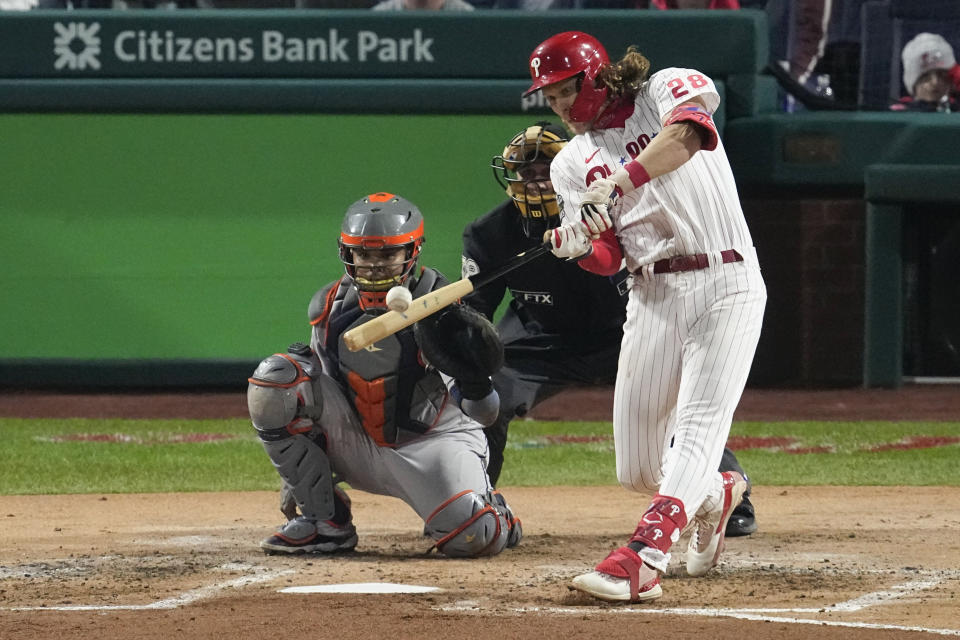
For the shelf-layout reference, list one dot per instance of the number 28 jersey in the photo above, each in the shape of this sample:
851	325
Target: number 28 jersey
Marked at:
694	209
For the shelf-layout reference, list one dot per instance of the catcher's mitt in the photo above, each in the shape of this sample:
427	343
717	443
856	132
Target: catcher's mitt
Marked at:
460	342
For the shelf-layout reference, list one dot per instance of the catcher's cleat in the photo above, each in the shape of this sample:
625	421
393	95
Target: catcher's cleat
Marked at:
706	541
622	577
743	521
306	536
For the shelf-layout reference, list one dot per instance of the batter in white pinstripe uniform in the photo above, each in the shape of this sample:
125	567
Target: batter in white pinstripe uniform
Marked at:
646	180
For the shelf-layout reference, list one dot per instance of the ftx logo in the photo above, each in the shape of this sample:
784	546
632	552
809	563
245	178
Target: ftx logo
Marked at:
76	45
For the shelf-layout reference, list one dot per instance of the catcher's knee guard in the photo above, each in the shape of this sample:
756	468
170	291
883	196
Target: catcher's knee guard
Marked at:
283	403
282	393
470	525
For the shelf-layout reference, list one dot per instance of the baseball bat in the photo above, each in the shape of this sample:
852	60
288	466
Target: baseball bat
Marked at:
366	334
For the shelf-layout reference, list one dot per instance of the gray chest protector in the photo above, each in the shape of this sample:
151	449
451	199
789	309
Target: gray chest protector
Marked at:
396	397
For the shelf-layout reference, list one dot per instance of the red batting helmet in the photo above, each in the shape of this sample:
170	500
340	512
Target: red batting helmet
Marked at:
565	55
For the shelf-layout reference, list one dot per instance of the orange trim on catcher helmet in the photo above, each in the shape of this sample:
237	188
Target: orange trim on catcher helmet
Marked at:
380	242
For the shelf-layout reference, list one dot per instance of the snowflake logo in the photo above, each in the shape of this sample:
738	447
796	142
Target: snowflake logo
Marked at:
76	45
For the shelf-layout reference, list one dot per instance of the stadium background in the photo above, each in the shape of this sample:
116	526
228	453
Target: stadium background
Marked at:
165	221
164	225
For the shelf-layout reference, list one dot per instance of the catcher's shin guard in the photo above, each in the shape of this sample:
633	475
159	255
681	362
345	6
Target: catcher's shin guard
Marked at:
304	466
470	525
283	404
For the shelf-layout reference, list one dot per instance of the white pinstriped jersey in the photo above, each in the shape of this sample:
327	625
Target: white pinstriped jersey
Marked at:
689	337
694	209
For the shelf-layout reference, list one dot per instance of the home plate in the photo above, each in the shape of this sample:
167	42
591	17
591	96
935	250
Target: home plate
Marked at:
361	587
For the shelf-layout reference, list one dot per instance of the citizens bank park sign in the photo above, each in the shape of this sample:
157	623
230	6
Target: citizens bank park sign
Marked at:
337	60
487	45
293	43
78	45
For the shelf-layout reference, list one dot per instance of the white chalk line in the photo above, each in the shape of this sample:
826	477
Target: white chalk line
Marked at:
720	613
877	597
185	598
753	614
761	615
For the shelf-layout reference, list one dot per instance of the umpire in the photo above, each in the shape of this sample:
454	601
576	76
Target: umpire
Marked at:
563	325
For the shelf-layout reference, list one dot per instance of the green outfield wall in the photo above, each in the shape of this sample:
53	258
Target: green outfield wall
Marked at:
201	236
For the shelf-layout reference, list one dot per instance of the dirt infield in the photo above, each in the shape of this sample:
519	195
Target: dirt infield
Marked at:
827	562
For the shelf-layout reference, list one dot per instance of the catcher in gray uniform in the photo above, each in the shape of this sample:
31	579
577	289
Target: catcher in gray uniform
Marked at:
402	418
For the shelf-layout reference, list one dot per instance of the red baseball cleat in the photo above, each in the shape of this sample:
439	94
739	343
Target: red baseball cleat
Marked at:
623	576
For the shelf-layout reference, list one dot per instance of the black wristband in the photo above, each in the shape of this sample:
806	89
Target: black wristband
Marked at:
475	388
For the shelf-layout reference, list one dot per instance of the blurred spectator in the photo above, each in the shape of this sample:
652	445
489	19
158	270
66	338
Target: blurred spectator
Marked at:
800	29
820	42
17	5
116	4
334	4
242	4
77	4
540	5
694	4
153	4
187	4
430	5
537	5
931	75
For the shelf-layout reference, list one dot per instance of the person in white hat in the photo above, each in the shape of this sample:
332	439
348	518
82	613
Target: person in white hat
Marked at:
931	74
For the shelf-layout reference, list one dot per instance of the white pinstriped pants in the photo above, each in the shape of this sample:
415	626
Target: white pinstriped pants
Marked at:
689	340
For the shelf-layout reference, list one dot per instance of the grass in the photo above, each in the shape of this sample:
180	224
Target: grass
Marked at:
45	456
155	459
849	460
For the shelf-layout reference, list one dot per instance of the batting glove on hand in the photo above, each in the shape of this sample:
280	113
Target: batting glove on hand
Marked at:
569	241
594	208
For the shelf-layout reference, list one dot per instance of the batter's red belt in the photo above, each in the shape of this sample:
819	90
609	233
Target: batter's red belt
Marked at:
692	263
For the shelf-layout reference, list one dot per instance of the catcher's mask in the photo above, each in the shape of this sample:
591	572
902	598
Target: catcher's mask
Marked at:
523	170
569	54
380	242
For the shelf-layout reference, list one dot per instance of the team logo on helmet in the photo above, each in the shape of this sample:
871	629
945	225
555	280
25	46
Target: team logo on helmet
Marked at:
523	170
535	67
380	242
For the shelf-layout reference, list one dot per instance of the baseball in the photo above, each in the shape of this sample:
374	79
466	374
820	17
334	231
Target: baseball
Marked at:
398	299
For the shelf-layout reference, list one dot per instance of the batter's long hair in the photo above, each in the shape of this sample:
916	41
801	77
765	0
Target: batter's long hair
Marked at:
625	76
